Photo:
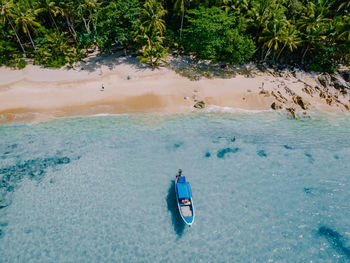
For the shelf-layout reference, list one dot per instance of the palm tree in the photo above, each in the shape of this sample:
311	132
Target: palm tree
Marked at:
24	19
67	11
290	39
343	29
49	7
237	6
5	7
313	24
151	15
152	27
180	5
274	24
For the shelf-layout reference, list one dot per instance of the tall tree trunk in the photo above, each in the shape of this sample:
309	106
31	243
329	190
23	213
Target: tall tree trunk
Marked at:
267	53
307	48
30	37
18	39
94	21
281	51
262	52
86	25
53	20
182	21
71	28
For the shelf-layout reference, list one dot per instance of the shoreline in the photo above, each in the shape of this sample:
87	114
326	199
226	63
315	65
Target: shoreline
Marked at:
40	94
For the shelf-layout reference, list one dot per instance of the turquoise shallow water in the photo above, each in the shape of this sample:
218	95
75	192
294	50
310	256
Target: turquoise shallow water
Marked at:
100	189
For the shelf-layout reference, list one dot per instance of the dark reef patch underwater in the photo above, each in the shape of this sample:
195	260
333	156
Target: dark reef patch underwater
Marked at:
34	169
222	153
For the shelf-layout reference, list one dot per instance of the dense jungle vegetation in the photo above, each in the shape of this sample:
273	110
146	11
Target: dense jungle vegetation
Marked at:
314	34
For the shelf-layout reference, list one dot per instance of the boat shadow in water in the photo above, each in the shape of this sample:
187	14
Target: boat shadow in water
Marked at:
334	239
178	223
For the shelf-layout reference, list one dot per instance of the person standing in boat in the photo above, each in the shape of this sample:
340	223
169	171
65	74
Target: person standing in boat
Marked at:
180	173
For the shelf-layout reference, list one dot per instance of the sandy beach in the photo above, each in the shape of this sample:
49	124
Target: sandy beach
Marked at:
37	93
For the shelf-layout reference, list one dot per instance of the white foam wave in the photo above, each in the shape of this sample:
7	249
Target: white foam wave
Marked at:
215	108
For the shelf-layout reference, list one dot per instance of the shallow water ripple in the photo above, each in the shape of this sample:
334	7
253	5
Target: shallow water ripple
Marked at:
101	189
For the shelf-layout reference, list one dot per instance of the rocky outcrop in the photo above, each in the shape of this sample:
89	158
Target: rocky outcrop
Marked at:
309	89
292	112
279	97
276	106
289	91
345	74
338	80
339	83
325	80
199	105
298	100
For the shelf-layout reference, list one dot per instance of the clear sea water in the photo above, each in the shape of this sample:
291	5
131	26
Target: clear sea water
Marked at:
101	189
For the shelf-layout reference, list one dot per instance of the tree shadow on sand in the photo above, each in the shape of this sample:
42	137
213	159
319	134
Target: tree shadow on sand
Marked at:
95	63
178	224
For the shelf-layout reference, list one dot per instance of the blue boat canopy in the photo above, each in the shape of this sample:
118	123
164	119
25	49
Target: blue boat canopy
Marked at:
184	190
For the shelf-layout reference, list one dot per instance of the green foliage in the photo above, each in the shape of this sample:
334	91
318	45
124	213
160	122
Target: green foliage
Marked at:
213	34
313	33
116	23
323	59
151	29
55	51
10	56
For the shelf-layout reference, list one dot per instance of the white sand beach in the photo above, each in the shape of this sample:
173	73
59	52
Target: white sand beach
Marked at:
42	94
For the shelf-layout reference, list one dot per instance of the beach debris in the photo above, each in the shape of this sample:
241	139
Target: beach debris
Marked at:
225	66
102	88
199	105
249	90
186	98
276	106
292	112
